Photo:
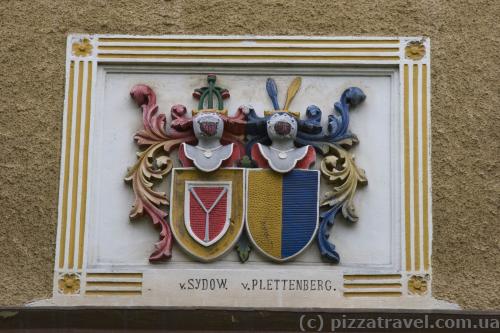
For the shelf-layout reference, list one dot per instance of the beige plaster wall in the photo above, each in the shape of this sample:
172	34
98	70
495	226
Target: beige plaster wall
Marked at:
465	116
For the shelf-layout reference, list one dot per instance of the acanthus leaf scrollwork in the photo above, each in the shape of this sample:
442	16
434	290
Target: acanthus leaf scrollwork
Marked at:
153	163
338	165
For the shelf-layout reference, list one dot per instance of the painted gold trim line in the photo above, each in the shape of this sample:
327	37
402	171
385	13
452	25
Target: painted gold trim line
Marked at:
114	275
371	276
83	207
372	285
113	292
244	49
425	169
323	41
406	125
67	149
243	57
240	40
114	284
416	198
373	294
76	167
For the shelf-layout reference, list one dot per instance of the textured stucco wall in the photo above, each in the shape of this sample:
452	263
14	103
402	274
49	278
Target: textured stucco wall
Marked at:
465	116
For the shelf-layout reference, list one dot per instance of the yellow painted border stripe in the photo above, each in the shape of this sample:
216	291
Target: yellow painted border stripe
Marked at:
114	275
85	166
114	284
113	292
338	41
239	40
416	197
371	276
406	126
244	49
372	285
372	293
425	169
242	57
67	148
76	167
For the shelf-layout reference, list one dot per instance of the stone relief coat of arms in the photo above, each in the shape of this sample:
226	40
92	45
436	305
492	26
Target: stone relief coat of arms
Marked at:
246	181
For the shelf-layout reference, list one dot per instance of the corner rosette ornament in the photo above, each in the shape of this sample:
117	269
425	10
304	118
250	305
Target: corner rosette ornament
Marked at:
83	48
69	284
415	50
418	285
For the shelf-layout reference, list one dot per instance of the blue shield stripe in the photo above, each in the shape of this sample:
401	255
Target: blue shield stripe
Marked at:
300	210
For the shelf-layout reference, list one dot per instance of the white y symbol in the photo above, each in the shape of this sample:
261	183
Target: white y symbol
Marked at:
207	211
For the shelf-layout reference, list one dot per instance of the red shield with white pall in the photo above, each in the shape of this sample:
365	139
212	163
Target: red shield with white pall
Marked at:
207	211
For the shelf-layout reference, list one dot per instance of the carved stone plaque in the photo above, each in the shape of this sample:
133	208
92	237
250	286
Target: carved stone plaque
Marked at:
253	172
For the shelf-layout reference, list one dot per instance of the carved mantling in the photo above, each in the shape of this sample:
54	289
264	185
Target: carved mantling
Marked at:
245	129
154	162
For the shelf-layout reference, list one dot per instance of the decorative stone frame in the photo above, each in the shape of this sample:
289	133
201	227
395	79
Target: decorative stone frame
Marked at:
409	287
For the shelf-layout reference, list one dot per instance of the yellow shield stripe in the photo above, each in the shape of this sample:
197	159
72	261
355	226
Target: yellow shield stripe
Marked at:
264	204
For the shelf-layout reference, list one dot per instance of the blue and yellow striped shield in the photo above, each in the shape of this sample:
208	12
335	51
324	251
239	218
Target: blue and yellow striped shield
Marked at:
282	211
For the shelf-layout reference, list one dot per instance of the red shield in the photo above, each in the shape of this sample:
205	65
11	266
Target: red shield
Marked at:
207	211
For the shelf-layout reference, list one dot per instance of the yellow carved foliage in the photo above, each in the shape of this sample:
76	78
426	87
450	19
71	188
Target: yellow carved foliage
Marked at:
342	173
151	163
